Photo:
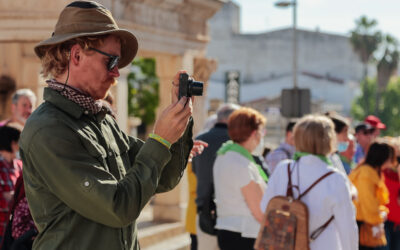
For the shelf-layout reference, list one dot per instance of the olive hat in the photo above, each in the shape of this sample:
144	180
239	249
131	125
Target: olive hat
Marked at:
89	18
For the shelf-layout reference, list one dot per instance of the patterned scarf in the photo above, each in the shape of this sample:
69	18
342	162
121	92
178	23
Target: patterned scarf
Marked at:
73	94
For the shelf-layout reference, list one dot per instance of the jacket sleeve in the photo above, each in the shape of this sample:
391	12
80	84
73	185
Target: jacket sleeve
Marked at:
62	166
173	171
368	200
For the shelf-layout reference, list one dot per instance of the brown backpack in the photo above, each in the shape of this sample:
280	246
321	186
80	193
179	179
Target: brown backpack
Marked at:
285	224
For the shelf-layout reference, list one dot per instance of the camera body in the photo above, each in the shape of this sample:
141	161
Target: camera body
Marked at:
188	87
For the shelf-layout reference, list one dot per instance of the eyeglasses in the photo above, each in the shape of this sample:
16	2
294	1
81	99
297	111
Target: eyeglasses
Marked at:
113	60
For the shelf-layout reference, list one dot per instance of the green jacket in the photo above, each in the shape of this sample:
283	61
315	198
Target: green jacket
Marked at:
86	181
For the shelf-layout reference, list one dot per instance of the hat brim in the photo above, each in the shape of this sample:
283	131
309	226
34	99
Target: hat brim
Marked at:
129	44
380	126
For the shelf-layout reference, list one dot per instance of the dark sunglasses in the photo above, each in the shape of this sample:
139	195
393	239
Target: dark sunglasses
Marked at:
113	60
398	161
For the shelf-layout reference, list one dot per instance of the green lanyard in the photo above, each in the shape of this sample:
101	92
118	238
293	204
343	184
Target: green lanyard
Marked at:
231	146
323	158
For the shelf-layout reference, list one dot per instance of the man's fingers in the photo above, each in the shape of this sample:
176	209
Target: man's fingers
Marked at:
175	86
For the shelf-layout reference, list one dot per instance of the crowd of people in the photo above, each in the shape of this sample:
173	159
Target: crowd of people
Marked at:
70	178
358	204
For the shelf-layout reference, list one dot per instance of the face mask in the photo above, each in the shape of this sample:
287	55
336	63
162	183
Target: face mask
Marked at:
260	148
17	155
342	146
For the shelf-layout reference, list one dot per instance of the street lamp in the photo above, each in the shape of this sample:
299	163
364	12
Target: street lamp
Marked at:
292	3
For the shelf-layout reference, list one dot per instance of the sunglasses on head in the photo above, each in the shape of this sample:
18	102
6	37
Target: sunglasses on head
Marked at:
113	60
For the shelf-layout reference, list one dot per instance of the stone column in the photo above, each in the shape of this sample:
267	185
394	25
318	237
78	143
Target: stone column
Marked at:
171	206
203	68
121	99
168	206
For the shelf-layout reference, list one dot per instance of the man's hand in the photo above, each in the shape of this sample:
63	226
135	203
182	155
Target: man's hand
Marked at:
198	147
173	120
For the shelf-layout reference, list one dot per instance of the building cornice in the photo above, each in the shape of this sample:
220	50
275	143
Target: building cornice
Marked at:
166	25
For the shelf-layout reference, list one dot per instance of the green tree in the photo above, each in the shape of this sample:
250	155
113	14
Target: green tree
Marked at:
387	65
365	39
364	104
143	86
389	106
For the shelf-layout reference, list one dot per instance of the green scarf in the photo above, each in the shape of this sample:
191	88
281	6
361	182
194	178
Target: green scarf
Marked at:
231	146
323	158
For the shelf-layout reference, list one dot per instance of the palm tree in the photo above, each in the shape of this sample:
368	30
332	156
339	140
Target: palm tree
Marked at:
387	66
365	40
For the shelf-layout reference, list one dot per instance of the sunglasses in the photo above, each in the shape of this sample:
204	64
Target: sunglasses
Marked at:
113	60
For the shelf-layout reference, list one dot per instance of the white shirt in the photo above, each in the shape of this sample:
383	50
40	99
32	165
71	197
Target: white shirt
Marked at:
329	197
232	171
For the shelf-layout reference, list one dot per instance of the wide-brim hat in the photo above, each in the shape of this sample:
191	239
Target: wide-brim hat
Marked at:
89	18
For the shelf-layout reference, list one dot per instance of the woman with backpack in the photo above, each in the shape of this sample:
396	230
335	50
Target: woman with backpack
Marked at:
312	179
373	195
239	182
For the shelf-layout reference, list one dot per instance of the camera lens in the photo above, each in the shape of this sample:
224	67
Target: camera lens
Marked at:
195	88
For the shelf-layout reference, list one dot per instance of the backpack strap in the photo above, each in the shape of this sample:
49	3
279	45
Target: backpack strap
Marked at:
315	183
289	191
319	230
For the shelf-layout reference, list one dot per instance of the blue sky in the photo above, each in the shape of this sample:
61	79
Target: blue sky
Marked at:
332	16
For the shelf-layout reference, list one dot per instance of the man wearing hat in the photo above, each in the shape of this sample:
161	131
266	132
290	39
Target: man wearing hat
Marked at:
376	123
86	181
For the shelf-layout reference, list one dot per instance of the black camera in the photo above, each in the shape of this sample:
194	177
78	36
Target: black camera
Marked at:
188	87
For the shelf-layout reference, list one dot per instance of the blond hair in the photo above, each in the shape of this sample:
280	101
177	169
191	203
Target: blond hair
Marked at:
315	134
55	58
395	142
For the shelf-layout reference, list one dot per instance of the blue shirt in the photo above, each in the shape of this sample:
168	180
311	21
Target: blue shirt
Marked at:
359	154
284	151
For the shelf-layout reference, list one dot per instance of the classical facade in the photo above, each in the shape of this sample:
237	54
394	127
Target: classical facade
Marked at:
174	32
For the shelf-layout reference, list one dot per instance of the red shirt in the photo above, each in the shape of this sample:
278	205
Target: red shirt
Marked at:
9	173
393	184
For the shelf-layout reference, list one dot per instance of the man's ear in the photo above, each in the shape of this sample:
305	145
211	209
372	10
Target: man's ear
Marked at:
14	146
75	54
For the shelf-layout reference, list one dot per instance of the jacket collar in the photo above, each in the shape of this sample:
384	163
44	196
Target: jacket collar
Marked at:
63	103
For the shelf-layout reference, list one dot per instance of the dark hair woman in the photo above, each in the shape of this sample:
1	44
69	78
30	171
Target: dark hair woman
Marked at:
372	195
10	170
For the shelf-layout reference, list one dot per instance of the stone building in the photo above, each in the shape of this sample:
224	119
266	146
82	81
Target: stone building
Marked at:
326	63
174	32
